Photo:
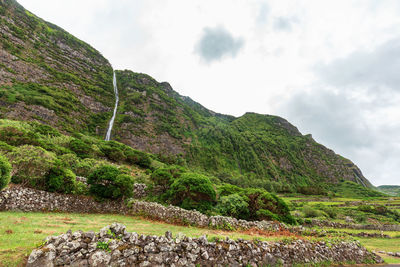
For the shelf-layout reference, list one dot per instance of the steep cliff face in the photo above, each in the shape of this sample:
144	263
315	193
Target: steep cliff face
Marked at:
48	75
253	149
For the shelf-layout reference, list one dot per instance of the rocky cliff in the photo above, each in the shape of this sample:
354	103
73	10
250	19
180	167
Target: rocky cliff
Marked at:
50	76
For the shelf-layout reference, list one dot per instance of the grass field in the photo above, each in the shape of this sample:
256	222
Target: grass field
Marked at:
20	232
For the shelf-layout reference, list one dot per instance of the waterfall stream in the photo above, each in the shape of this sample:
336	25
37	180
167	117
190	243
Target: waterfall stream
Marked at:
110	125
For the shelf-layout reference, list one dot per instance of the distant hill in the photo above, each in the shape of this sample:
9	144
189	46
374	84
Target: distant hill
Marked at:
392	190
50	76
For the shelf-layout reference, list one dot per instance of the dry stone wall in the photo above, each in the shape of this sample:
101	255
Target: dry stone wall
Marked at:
28	199
114	246
380	227
175	214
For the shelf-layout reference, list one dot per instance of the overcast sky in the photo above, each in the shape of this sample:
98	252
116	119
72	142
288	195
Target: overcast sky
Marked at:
331	67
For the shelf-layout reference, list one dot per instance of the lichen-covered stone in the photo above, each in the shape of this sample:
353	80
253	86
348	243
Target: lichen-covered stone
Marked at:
184	251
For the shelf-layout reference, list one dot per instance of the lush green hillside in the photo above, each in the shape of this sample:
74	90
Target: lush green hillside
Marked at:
392	190
49	76
252	150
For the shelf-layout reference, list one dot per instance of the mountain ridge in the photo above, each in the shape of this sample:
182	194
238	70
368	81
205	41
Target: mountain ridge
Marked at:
49	76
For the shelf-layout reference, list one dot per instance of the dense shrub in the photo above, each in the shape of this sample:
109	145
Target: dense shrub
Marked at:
16	137
330	211
113	151
233	205
85	166
5	148
5	169
165	176
60	179
107	181
137	157
192	191
30	165
267	206
69	161
81	149
312	190
162	177
309	212
228	189
44	129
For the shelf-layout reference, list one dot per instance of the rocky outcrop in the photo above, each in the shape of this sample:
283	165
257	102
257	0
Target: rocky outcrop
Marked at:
114	246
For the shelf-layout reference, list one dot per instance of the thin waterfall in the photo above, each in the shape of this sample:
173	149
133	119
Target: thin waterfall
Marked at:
110	125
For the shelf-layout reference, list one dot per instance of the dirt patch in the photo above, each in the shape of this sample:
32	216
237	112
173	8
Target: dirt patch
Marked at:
280	233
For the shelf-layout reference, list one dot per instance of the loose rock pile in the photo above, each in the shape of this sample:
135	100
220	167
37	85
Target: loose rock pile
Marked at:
139	190
114	246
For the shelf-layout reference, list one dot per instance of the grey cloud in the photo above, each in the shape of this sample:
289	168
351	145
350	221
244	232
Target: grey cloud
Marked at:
217	43
334	118
343	124
356	116
263	13
380	67
285	23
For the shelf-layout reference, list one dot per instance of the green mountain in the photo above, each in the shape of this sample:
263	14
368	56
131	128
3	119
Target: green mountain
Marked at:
49	76
391	190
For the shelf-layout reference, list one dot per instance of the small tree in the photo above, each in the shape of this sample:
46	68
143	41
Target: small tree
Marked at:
233	205
107	181
30	165
60	179
192	191
162	177
267	206
81	149
5	169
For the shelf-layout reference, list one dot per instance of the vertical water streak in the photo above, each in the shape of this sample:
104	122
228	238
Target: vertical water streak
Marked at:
110	125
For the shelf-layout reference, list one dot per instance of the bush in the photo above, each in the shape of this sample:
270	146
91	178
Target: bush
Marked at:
137	157
267	206
330	211
44	129
162	177
228	189
69	160
233	205
113	151
60	179
81	149
192	191
165	176
30	165
310	212
107	181
85	167
5	169
16	137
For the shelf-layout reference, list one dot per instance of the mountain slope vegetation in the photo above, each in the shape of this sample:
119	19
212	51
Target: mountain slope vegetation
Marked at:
51	77
252	150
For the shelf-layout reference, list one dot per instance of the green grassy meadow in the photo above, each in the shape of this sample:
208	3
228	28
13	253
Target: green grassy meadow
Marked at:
21	232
